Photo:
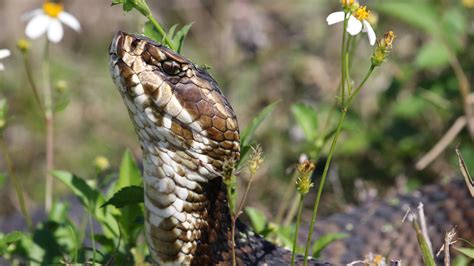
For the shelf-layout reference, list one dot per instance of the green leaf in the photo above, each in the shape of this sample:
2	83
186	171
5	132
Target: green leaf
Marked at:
285	235
129	174
468	252
127	6
59	212
11	238
178	39
87	195
324	241
432	55
410	107
170	33
150	32
3	178
3	113
247	134
455	27
425	250
418	14
126	196
61	101
117	2
257	219
307	119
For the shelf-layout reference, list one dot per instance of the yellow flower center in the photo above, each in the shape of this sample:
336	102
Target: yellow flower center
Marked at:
388	38
52	9
468	3
361	13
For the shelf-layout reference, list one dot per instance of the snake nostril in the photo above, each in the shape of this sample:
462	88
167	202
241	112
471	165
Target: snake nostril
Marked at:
171	67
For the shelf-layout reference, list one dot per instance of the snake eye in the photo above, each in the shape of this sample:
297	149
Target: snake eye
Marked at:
171	67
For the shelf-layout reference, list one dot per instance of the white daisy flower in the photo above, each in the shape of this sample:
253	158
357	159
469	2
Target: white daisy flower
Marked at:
4	53
48	20
356	23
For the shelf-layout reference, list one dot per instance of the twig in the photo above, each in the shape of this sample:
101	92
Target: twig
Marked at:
450	135
465	173
424	228
448	241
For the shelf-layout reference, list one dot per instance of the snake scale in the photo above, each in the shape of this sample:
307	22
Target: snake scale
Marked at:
187	131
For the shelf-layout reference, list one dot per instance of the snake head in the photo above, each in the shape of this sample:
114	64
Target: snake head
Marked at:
172	101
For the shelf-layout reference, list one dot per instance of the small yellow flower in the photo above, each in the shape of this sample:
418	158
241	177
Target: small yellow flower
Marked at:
356	22
361	13
48	20
303	183
256	159
101	163
347	3
23	45
382	49
52	9
388	38
468	3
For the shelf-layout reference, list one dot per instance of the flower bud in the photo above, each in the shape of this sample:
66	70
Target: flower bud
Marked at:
303	183
23	45
382	49
101	163
256	159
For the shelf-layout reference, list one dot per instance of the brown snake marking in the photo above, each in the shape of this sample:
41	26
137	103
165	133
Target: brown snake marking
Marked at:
187	130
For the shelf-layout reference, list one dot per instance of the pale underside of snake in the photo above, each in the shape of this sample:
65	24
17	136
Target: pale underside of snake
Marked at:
187	130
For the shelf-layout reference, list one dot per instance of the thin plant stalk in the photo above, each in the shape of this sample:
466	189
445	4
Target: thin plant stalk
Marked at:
91	228
236	215
31	80
49	121
298	221
160	29
16	183
345	108
343	52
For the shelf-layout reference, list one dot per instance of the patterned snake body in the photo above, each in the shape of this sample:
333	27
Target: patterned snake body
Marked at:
188	131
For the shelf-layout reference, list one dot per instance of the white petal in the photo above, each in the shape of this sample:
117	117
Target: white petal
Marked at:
37	26
370	32
4	53
69	20
2	67
55	31
335	17
354	26
31	14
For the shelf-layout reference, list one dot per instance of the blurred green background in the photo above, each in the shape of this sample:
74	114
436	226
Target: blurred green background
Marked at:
259	52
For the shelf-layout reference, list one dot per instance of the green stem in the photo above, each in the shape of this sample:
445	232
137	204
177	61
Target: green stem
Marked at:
345	108
351	97
49	120
230	197
343	52
298	221
346	66
321	184
31	80
160	29
91	227
18	188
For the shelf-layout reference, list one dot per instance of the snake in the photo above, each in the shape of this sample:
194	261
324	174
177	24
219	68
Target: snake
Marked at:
188	131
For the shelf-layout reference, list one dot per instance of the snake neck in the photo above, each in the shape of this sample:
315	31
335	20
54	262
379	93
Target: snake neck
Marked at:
187	218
